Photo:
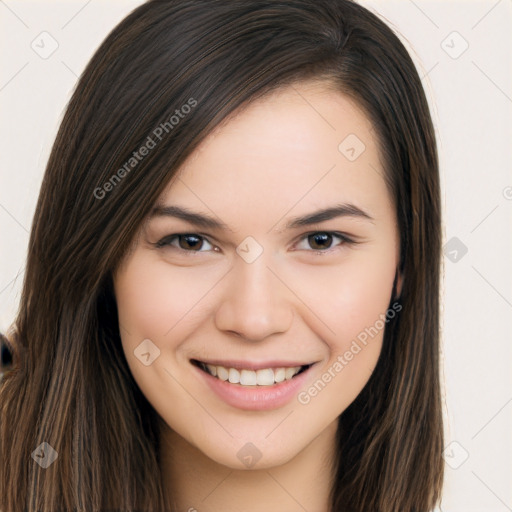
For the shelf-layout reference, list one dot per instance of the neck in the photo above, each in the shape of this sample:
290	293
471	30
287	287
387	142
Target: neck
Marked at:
195	483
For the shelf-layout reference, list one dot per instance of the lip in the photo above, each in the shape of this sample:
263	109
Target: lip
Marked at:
255	398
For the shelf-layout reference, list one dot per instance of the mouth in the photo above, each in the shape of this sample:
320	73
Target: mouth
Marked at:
251	377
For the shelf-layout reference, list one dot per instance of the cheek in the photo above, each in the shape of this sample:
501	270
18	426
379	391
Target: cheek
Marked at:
351	297
365	296
164	304
158	303
354	306
155	299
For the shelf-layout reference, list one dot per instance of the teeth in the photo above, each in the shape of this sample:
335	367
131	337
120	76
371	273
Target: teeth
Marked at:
280	374
264	377
222	373
248	378
234	376
289	373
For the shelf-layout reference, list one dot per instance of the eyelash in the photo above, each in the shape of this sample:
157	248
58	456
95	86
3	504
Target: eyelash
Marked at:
166	241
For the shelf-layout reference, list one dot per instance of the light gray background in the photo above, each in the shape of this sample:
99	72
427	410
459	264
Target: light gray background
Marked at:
470	91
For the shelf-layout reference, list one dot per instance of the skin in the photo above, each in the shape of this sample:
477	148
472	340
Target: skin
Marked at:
276	159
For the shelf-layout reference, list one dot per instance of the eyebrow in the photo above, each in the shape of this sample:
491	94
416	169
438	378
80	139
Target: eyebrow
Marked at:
340	210
208	222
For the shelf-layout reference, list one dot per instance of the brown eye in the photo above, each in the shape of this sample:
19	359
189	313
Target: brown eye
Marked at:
323	241
188	242
320	241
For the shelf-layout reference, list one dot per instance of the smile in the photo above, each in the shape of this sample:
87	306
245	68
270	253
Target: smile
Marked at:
247	377
253	387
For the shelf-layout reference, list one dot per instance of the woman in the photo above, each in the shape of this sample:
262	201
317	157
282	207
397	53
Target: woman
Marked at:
232	289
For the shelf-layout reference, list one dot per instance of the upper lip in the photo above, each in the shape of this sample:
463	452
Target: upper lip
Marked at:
252	365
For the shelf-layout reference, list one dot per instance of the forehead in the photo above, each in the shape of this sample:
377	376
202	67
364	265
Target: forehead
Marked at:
300	118
305	144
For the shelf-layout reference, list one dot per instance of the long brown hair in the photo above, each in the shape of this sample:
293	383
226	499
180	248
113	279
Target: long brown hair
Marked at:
70	385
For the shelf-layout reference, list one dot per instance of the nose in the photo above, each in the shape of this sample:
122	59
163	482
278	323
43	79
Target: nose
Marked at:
254	302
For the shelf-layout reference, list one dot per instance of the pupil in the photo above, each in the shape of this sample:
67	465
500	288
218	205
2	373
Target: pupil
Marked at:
196	242
320	238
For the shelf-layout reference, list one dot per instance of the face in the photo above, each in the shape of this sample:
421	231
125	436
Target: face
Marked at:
253	306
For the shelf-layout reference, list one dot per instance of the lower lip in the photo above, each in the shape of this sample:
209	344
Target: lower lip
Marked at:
255	398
